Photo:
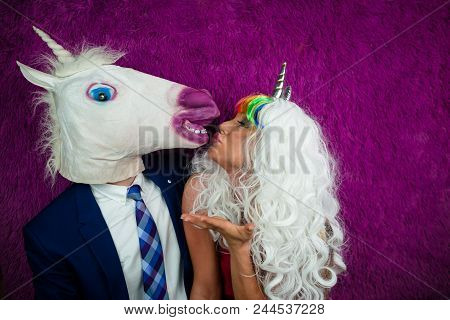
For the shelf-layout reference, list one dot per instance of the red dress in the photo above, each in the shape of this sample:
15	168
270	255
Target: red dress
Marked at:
225	272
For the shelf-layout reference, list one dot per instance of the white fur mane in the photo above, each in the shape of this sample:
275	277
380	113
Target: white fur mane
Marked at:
88	58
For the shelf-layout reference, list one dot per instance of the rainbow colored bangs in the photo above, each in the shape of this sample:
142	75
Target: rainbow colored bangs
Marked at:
252	105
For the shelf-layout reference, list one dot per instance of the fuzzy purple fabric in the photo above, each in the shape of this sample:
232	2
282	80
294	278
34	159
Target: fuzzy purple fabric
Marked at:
375	82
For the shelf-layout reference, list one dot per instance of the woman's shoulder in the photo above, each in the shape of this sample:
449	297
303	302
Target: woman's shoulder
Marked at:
192	188
193	185
193	181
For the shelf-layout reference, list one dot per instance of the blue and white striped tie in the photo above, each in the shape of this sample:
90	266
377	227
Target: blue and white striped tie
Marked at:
154	275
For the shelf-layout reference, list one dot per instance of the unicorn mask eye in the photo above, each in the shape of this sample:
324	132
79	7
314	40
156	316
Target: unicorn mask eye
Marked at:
101	92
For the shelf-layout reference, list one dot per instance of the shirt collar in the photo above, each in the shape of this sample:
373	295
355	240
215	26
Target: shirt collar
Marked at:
115	192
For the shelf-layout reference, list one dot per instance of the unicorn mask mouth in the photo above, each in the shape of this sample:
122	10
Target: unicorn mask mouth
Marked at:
198	109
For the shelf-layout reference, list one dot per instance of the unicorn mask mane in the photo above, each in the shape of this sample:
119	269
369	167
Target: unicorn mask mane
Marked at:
101	118
63	63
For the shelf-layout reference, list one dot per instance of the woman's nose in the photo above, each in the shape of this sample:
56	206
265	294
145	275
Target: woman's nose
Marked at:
226	127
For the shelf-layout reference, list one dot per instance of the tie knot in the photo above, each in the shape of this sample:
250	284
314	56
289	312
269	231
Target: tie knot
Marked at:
134	192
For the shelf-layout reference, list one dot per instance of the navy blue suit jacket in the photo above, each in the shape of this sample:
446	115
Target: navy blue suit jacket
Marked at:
70	249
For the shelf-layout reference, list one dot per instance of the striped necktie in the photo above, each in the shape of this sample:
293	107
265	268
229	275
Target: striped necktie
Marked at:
154	275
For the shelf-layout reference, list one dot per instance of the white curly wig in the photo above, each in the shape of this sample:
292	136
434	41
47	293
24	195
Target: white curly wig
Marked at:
289	195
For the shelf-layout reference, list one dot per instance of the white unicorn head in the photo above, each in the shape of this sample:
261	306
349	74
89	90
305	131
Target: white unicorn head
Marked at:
102	118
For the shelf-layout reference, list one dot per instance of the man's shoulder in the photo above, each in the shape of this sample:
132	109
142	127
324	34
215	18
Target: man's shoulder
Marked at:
170	166
59	212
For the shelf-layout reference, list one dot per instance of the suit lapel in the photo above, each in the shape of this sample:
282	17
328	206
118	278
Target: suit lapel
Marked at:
96	233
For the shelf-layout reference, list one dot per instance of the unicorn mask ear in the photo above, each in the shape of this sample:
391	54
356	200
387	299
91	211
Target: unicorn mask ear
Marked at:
39	78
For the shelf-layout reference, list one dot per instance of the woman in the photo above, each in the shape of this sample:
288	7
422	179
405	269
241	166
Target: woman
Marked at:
265	190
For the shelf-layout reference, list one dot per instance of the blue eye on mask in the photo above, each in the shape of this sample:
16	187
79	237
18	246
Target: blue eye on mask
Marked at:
101	92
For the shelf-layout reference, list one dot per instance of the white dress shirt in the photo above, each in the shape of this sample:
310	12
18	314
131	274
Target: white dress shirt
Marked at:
119	214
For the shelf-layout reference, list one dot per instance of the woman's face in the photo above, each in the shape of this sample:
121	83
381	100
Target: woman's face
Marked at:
227	148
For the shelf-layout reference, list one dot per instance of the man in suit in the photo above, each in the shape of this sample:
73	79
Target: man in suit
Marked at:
116	232
84	244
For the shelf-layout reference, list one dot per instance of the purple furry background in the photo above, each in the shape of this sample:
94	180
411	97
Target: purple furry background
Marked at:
385	114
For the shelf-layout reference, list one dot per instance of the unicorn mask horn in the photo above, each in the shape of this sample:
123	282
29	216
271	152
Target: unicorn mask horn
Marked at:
102	118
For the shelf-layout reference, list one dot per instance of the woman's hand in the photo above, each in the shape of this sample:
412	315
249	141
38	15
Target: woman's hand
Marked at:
238	237
243	276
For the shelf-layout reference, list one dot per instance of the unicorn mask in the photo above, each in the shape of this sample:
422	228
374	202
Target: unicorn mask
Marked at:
102	118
